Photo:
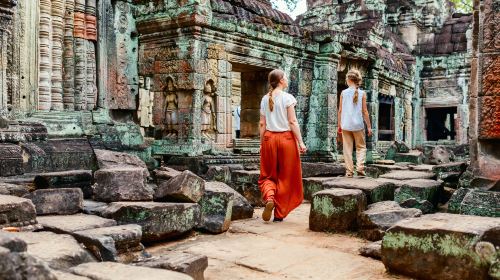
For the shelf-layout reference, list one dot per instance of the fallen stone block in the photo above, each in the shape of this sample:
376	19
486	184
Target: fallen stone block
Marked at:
374	190
423	205
382	215
408	175
481	203
458	167
164	174
242	209
16	211
372	250
118	271
71	223
59	251
415	157
422	167
17	265
110	159
219	173
336	210
456	200
246	182
13	189
159	221
384	168
321	169
91	207
81	179
185	187
190	264
420	189
122	184
11	160
216	208
109	242
57	201
313	185
441	246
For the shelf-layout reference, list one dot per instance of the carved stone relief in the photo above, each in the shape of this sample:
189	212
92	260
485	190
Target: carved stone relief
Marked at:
208	119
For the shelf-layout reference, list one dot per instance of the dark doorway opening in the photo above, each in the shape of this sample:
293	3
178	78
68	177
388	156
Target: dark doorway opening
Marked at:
385	118
440	123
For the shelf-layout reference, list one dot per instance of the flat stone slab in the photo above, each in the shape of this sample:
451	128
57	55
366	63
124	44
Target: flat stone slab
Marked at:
13	189
72	223
384	168
187	263
92	207
317	169
16	211
375	191
419	189
64	201
458	166
60	251
372	250
423	247
312	185
16	265
216	208
81	179
408	175
185	187
382	215
108	242
122	184
481	203
422	167
415	157
159	220
118	271
336	210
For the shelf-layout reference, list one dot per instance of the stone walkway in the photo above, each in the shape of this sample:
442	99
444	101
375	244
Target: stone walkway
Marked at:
253	249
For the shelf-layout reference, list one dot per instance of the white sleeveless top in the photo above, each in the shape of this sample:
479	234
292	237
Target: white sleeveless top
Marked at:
277	120
352	113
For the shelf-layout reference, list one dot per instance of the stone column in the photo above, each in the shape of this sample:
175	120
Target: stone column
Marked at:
321	126
371	88
69	57
485	91
58	14
408	116
6	14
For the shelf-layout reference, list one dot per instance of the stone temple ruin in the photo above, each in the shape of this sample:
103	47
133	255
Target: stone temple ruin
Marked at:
95	93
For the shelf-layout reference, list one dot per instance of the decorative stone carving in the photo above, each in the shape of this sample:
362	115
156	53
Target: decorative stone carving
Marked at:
57	12
208	119
45	74
171	110
68	58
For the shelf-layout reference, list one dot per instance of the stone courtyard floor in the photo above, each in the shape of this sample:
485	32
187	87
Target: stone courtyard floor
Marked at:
253	249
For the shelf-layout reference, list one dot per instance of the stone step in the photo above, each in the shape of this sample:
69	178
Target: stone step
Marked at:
185	187
318	169
312	185
64	201
122	184
375	191
13	189
442	246
118	271
71	223
419	189
408	175
66	179
190	264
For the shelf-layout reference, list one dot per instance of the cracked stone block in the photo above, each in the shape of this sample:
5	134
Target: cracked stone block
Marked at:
246	182
164	174
91	207
108	243
159	221
382	215
81	179
372	250
190	264
419	189
481	203
336	210
16	211
13	189
57	201
408	175
374	190
216	208
318	169
17	265
219	173
119	271
313	185
59	251
122	184
422	247
71	223
185	187
423	205
242	209
110	159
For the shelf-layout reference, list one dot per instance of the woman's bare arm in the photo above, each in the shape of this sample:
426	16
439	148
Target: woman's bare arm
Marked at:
294	126
366	116
339	115
262	127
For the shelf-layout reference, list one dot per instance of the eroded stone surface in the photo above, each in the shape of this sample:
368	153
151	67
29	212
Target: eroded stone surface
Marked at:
375	191
190	264
66	179
481	203
407	175
110	159
336	210
246	183
185	187
62	201
13	189
72	223
422	247
16	211
118	271
159	220
122	184
372	250
94	207
318	169
314	184
216	208
419	189
242	209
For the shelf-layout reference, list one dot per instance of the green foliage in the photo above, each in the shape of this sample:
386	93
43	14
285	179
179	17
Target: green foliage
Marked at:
463	6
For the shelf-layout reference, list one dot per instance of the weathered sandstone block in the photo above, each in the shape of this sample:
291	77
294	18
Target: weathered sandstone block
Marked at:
420	189
190	264
185	187
122	184
16	211
118	271
375	191
57	201
216	208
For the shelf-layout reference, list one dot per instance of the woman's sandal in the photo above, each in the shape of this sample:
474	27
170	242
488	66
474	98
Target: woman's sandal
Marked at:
268	211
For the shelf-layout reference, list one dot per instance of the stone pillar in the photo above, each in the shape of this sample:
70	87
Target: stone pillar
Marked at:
408	116
371	88
322	126
6	15
45	60
485	91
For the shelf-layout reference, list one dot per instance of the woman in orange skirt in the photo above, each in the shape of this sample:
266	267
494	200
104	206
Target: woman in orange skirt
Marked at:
280	179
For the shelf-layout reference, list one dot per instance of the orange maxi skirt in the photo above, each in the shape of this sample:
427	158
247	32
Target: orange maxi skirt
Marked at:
281	172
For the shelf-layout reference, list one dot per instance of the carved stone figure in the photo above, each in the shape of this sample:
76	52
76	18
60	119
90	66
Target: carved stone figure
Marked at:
208	126
171	110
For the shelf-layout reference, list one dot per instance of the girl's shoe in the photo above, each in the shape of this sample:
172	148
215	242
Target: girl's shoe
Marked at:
268	211
277	219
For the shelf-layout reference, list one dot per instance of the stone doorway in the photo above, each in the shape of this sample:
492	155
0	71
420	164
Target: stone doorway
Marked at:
386	131
252	87
440	123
